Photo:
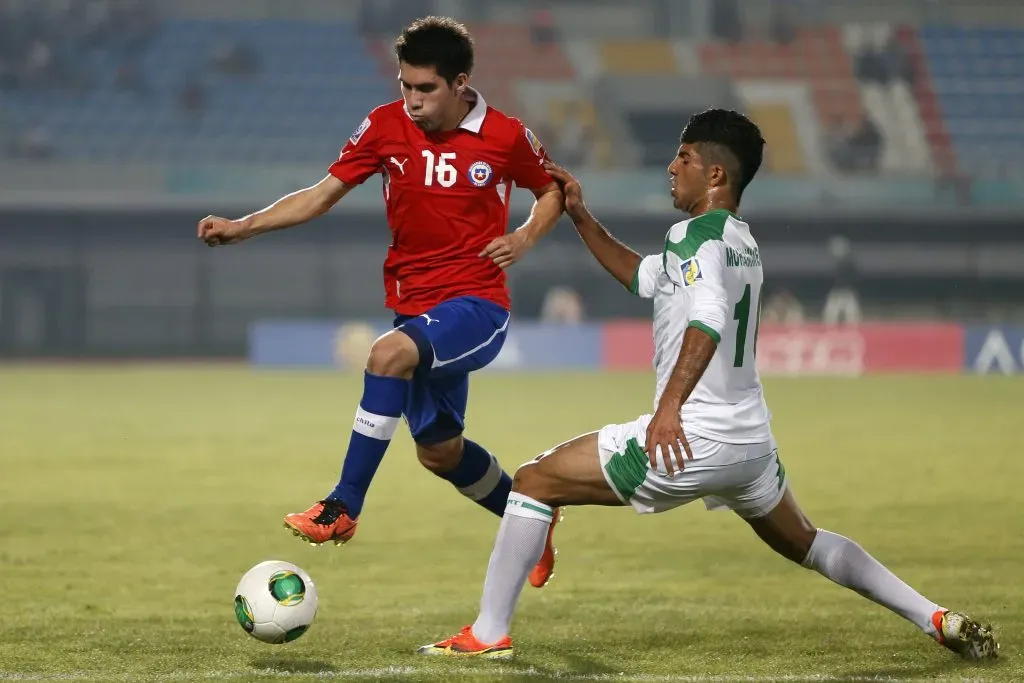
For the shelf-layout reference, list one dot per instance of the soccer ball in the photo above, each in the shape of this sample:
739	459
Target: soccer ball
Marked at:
275	602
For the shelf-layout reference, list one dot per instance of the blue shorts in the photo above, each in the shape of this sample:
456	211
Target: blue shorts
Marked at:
454	338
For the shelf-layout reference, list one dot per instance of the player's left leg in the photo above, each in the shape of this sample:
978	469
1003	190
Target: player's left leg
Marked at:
436	413
788	532
569	474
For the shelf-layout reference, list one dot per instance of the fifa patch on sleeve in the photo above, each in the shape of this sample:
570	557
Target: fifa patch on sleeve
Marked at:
358	133
690	270
534	141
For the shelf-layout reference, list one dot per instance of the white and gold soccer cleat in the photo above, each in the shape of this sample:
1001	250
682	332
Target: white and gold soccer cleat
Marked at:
965	636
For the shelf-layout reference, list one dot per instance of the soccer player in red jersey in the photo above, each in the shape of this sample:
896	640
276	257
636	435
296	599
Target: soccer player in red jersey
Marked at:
448	162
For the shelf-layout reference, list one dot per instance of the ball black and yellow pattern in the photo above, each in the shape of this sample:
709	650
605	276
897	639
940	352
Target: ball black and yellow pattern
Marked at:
287	587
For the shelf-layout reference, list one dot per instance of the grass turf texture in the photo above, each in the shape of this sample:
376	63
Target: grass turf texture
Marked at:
133	498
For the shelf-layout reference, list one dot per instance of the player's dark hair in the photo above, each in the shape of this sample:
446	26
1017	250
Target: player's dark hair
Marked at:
726	137
440	42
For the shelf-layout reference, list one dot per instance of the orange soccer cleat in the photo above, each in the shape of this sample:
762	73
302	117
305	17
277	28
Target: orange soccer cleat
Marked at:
326	521
465	644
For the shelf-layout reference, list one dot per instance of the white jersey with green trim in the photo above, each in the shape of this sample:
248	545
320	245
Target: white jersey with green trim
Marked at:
709	276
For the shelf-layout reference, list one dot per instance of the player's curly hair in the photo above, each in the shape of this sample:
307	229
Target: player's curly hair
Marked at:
727	137
440	42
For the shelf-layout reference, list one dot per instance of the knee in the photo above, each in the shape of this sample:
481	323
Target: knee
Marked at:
441	457
393	355
529	480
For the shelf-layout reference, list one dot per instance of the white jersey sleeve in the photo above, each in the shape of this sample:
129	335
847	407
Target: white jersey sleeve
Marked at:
645	280
704	277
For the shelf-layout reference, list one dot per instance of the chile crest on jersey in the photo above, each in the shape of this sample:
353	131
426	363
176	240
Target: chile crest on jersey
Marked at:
480	173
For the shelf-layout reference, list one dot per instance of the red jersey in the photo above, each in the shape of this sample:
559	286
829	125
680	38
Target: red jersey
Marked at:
447	198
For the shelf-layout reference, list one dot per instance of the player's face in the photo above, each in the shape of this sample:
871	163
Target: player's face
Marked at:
686	178
429	98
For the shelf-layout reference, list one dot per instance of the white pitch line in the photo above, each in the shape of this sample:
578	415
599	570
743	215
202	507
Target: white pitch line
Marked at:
445	673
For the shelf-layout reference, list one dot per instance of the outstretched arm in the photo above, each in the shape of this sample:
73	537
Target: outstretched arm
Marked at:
618	259
291	210
708	313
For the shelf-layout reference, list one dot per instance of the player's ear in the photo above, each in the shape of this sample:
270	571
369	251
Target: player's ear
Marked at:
717	175
460	83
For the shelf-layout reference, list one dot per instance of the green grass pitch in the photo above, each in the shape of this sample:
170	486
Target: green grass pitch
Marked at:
133	498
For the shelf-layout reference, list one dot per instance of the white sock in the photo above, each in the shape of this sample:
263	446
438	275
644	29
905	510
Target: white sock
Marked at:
843	561
520	542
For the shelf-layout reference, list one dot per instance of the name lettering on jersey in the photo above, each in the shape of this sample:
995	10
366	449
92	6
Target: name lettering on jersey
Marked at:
745	258
480	173
690	269
534	142
358	133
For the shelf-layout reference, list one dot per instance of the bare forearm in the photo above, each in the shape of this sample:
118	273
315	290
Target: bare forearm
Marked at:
543	217
298	207
618	259
288	211
697	350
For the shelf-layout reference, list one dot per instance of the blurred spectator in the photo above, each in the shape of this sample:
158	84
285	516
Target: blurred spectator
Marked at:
870	66
897	61
726	22
783	23
33	144
883	65
137	23
542	26
192	97
855	147
232	58
562	305
842	303
388	17
128	77
574	138
782	308
38	67
44	45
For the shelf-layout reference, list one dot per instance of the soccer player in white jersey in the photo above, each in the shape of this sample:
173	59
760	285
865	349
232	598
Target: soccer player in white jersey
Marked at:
710	436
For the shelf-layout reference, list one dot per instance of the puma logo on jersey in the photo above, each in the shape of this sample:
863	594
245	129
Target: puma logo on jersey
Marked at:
399	164
429	319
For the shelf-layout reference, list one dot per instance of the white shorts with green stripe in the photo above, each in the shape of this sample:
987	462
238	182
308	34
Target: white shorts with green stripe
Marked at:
746	478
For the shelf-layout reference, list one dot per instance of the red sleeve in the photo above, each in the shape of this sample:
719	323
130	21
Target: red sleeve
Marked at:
359	158
525	161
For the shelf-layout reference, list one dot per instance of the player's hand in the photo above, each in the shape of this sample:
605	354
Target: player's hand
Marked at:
570	187
217	231
665	437
507	249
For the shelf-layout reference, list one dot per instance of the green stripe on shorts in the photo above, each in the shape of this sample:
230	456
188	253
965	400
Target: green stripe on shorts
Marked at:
782	470
627	470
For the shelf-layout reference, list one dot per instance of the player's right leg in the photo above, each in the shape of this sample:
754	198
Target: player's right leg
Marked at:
788	532
386	384
569	474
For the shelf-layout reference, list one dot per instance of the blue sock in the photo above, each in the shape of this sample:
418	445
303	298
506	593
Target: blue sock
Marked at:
377	417
479	477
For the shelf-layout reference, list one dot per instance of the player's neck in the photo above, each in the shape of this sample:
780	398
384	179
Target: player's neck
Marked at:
462	110
706	205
